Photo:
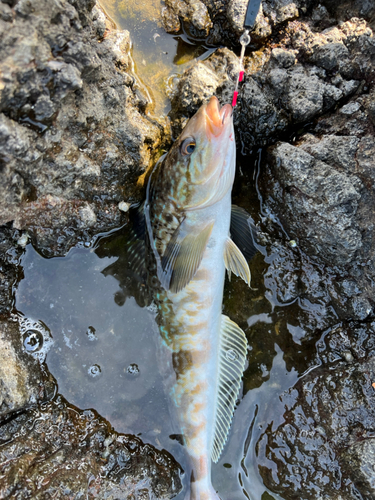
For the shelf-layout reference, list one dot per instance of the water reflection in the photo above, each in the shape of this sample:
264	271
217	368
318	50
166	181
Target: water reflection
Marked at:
157	55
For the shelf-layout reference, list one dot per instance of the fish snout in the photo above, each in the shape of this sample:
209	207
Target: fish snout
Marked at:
217	118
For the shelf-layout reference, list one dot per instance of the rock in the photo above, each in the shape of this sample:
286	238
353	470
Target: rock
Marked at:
323	447
63	89
360	458
10	269
77	453
322	190
193	13
24	381
222	22
324	202
292	82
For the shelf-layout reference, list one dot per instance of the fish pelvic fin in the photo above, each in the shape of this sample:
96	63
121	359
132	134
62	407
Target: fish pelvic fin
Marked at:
235	262
232	353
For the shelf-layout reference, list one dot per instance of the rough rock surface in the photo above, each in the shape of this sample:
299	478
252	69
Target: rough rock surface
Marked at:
322	190
24	381
58	451
73	135
222	22
288	83
12	244
328	423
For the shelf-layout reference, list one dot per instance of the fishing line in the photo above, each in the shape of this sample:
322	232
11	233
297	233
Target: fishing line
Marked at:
250	17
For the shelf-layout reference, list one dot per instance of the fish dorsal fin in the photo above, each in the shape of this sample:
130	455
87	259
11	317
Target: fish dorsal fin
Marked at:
232	358
138	222
183	256
136	245
243	231
235	262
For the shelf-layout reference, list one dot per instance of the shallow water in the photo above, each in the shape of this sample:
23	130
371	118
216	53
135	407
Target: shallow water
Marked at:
158	56
104	351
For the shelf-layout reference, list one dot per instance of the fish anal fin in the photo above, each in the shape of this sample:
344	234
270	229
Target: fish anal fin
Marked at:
183	256
243	231
232	352
235	262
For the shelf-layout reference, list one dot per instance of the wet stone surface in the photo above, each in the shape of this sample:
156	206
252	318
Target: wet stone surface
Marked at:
73	133
222	22
289	81
12	243
328	423
25	380
322	189
58	451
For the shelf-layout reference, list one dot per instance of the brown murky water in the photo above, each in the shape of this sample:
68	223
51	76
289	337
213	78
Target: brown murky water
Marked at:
158	56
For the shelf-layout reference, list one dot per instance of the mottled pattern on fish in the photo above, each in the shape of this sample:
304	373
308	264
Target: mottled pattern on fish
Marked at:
188	216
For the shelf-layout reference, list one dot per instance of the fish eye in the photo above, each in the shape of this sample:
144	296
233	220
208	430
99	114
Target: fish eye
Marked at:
187	146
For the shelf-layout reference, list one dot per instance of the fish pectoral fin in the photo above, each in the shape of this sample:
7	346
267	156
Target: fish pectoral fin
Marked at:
235	262
243	231
183	256
232	352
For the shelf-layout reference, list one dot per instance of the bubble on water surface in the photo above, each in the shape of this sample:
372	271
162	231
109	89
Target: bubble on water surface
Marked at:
91	333
36	337
153	308
94	370
133	369
32	340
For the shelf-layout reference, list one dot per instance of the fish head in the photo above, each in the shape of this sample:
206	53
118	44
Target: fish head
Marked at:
204	156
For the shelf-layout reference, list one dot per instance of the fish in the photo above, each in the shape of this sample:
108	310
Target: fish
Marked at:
193	235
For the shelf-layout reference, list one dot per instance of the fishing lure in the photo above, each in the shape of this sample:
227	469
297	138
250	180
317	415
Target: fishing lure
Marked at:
250	17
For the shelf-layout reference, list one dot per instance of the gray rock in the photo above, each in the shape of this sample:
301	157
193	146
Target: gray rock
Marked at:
23	380
323	447
284	58
360	457
282	86
330	55
77	453
223	21
337	151
62	95
10	272
325	199
193	13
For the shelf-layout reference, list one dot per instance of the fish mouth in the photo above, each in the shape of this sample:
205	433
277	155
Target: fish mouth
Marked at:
217	118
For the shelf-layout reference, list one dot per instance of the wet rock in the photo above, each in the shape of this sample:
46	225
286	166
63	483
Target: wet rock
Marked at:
324	201
77	453
288	83
192	12
327	424
226	19
222	22
24	381
12	244
68	148
322	190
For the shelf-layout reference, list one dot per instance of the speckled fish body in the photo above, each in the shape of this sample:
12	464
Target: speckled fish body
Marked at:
188	213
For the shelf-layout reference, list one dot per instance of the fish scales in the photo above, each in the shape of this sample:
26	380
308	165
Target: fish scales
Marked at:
188	213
